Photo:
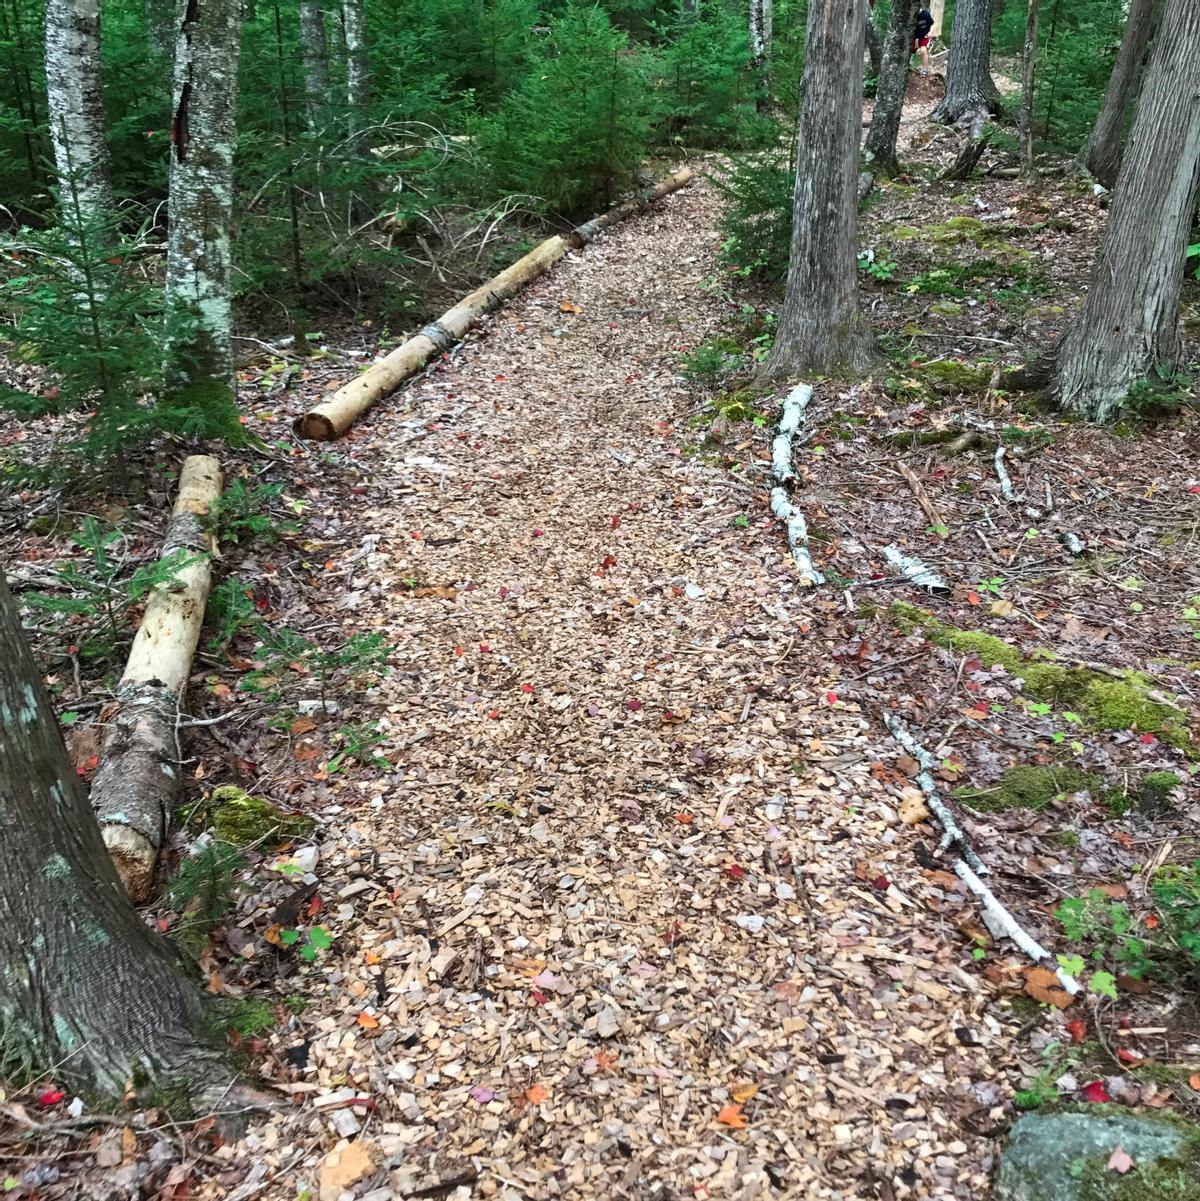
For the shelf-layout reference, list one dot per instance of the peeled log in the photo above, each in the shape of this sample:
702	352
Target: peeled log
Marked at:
134	788
333	417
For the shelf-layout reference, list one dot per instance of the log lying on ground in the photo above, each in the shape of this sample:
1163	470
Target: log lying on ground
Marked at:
782	474
333	417
916	571
134	788
581	235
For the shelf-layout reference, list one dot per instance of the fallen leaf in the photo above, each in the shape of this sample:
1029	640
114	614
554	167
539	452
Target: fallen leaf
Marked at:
742	1093
1129	1057
1194	1081
368	1021
1001	608
1119	1160
1118	892
1095	1091
481	1093
1042	984
1077	1030
606	1061
537	1094
1138	988
302	725
732	1115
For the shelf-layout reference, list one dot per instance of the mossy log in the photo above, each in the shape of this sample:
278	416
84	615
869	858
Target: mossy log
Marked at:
135	783
333	417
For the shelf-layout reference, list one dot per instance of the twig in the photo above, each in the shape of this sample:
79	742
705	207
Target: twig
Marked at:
919	492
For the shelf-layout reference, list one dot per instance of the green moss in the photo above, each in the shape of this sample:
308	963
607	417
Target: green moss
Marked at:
903	233
1176	1178
946	308
958	229
1066	838
1028	787
241	819
951	374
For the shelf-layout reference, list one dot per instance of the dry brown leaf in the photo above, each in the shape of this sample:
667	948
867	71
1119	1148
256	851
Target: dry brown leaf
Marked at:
1042	984
1118	892
302	725
742	1093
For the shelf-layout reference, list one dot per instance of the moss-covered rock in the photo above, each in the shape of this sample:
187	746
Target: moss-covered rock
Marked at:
1064	1156
241	819
947	375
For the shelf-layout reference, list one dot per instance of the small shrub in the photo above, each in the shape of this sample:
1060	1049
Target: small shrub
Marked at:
757	216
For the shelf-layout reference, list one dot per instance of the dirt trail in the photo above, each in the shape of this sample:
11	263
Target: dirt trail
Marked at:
634	866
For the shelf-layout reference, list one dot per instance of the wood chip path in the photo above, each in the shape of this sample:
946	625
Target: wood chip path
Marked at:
634	918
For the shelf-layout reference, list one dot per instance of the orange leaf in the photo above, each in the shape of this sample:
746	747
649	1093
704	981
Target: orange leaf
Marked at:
373	957
684	819
367	1022
536	1094
302	725
1194	1081
972	598
605	1060
1042	984
1151	921
732	1115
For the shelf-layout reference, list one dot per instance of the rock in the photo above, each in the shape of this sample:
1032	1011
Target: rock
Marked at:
343	1167
242	819
1064	1156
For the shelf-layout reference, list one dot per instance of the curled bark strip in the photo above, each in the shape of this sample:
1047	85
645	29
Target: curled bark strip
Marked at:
134	788
916	572
581	235
783	473
333	417
1003	924
952	834
1072	543
1006	488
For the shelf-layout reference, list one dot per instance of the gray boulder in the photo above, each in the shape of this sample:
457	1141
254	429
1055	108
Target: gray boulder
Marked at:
1064	1157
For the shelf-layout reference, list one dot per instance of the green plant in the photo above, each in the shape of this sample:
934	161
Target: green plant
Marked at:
286	658
714	358
202	890
232	609
310	942
245	512
97	594
757	214
358	745
882	267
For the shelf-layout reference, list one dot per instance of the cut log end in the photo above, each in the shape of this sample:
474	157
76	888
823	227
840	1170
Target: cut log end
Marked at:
134	856
315	426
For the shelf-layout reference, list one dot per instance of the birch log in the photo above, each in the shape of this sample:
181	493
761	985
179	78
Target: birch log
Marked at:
333	417
795	405
138	773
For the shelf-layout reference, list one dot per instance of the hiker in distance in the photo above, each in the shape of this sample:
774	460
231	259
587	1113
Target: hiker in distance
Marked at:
920	42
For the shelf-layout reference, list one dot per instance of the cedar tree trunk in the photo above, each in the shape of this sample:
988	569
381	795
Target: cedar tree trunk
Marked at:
821	328
1128	327
314	50
1102	154
969	85
1028	74
87	989
880	150
74	101
199	351
874	46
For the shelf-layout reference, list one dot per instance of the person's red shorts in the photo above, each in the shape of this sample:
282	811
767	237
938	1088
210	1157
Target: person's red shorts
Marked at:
918	43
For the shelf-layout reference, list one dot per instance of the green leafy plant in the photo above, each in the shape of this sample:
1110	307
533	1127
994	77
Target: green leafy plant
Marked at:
202	890
358	745
714	358
243	512
882	267
286	658
310	942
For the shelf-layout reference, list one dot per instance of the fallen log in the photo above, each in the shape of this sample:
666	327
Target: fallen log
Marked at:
783	473
581	235
333	417
134	787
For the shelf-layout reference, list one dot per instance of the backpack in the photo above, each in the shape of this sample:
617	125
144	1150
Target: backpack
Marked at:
924	23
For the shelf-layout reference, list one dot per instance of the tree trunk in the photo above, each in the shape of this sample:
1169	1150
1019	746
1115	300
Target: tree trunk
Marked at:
75	104
880	150
314	51
87	991
762	19
1128	327
937	10
821	328
874	46
133	793
160	20
969	85
199	351
1102	154
358	79
1028	73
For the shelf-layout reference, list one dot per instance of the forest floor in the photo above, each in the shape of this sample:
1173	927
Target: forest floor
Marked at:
622	886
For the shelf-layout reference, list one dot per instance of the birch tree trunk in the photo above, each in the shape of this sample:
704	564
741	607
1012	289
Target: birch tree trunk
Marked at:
821	328
1028	76
87	989
1102	154
970	89
203	128
1128	327
358	79
880	150
75	104
761	21
314	50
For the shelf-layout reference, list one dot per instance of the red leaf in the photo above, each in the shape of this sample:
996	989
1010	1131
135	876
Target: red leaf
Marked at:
314	907
972	598
735	871
540	997
832	697
634	705
1096	1091
526	687
1077	1030
1146	739
484	649
674	934
52	1096
608	561
494	714
538	533
882	882
1130	1057
616	523
684	819
1194	488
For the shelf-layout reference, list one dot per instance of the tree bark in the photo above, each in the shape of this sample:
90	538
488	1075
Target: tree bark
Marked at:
1102	154
880	150
358	78
761	24
874	46
75	103
134	789
314	51
969	84
160	20
1028	75
87	989
1128	327
821	328
203	129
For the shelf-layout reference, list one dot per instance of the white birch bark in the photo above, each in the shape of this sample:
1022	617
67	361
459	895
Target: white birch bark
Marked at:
203	127
74	102
357	69
314	50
